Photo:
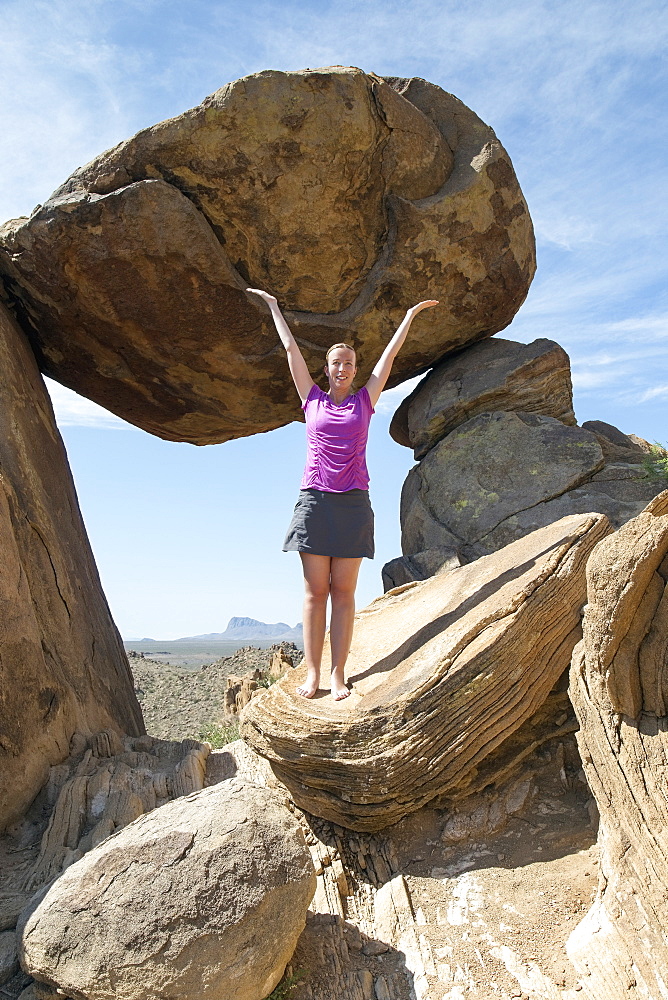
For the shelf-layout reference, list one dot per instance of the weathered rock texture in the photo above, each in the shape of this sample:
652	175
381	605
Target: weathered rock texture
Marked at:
442	673
491	480
347	196
63	664
619	688
493	375
106	783
420	566
500	457
203	898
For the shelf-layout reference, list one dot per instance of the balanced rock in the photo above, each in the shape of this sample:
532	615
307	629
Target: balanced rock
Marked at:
63	664
347	196
203	898
442	672
619	689
492	375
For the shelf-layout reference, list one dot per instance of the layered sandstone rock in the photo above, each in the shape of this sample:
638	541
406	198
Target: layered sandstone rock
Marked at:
619	688
63	664
203	898
442	673
493	375
347	196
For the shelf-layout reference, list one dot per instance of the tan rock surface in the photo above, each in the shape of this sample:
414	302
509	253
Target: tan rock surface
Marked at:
203	898
619	688
495	374
347	196
63	663
442	672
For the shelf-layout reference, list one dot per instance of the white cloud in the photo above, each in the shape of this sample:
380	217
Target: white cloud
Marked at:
658	391
73	410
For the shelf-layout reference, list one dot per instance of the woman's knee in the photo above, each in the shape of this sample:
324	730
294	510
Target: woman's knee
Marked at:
316	591
343	592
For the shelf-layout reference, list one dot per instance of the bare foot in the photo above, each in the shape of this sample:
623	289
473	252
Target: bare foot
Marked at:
339	692
338	686
308	689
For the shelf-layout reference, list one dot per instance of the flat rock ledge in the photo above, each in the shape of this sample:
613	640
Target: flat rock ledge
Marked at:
442	672
619	689
348	196
202	899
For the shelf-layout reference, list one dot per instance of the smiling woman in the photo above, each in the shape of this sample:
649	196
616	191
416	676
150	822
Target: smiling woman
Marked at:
332	524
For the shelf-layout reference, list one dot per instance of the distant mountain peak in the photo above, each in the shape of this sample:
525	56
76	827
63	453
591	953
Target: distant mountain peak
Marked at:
235	623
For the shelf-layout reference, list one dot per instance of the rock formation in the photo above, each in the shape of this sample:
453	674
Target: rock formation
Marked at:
347	196
619	688
203	898
493	375
63	664
442	673
500	457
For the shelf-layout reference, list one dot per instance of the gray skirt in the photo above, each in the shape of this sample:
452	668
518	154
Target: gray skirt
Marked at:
332	524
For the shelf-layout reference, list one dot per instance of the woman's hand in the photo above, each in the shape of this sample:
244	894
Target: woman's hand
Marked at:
427	304
269	299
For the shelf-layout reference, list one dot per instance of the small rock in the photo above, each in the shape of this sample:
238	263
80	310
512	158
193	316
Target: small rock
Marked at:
9	957
381	990
375	948
365	979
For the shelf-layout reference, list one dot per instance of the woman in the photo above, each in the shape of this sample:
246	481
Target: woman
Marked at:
332	525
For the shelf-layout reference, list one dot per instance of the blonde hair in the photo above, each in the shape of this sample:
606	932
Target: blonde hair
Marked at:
334	347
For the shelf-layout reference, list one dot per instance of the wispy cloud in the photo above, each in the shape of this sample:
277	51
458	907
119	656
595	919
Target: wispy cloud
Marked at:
72	410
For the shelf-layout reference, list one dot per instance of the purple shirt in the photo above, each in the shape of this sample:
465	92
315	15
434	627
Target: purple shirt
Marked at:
336	441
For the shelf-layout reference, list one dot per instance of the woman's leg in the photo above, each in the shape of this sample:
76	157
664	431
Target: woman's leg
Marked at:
316	591
342	590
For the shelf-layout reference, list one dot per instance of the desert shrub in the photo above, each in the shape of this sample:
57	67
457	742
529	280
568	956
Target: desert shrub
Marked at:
219	734
267	680
287	984
655	462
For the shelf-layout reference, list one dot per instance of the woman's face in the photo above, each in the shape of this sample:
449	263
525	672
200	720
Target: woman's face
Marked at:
340	368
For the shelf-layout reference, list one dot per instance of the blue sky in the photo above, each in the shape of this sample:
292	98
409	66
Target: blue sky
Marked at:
187	537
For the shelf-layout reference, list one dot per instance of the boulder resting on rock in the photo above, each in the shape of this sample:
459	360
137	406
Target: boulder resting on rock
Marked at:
495	374
348	196
203	899
442	672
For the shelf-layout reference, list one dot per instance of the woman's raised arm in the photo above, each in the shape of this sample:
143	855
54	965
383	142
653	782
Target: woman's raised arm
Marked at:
300	373
381	372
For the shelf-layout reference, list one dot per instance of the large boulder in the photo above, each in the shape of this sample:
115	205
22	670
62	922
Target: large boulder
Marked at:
442	672
482	476
347	196
492	375
63	664
619	689
502	475
204	898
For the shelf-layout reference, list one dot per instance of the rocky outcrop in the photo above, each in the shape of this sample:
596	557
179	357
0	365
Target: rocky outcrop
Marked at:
347	196
493	375
490	480
203	898
488	476
619	688
442	672
106	783
64	668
